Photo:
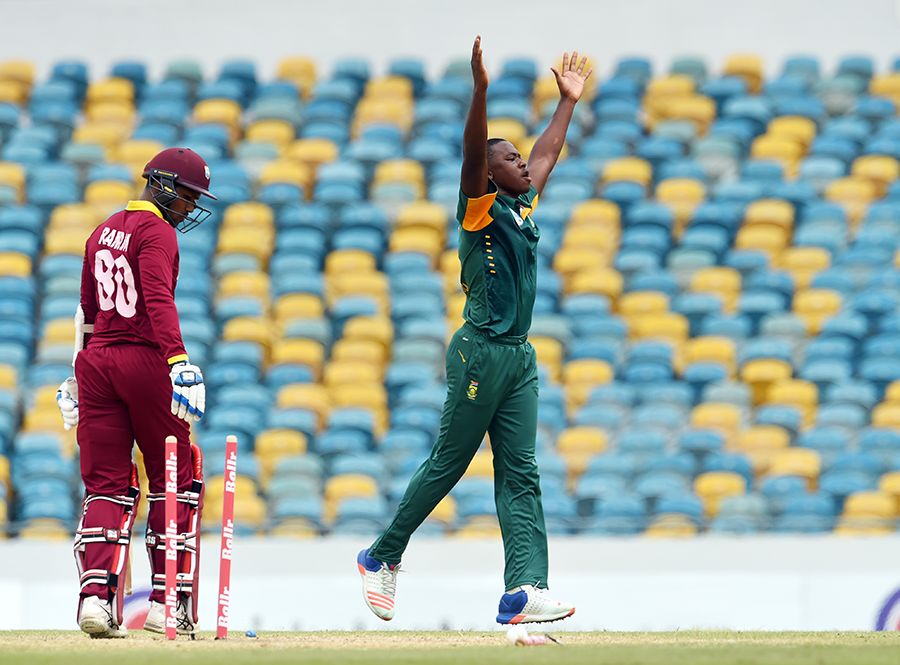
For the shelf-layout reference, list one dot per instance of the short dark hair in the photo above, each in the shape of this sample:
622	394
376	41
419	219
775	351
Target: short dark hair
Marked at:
491	143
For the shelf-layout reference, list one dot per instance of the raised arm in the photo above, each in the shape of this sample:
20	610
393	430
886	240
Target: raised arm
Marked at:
474	178
571	80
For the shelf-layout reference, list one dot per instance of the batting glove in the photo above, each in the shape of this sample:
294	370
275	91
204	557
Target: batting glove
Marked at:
67	401
188	392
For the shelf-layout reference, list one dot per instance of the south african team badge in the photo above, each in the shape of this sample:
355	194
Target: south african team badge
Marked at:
472	390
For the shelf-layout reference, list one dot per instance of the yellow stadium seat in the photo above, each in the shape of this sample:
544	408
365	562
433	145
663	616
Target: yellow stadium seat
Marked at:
115	112
115	90
671	525
296	527
596	212
661	91
374	328
795	392
137	152
854	193
786	151
249	213
45	530
294	306
603	281
815	306
344	261
892	392
506	128
365	396
21	71
350	372
76	216
885	85
383	110
761	443
889	483
699	110
770	212
581	376
362	350
299	70
802	462
571	260
13	175
713	486
794	128
481	466
347	485
721	417
65	241
804	263
299	351
765	238
682	196
286	171
586	237
8	376
13	92
719	280
632	169
641	303
747	66
249	329
666	326
870	504
577	445
880	170
711	349
280	442
400	170
277	132
13	264
424	241
244	283
310	396
480	527
219	111
108	195
761	373
107	135
549	353
389	86
313	151
886	415
59	331
423	214
856	527
445	511
375	284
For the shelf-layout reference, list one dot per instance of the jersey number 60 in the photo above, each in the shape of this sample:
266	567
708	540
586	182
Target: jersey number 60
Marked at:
115	283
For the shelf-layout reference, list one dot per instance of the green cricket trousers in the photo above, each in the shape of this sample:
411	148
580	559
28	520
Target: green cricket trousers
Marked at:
492	386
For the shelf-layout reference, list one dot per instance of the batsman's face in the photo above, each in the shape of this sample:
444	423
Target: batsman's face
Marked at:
185	203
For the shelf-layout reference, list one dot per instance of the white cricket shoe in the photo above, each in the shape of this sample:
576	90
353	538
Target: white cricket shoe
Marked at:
156	618
531	605
96	619
379	584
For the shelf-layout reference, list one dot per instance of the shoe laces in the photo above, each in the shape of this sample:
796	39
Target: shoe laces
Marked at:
387	578
183	622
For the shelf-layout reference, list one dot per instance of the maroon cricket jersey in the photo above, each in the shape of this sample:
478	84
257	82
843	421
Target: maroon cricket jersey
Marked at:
128	282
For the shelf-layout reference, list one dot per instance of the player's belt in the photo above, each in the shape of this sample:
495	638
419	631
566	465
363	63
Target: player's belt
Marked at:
508	340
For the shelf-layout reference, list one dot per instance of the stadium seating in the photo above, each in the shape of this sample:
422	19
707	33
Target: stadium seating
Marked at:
715	320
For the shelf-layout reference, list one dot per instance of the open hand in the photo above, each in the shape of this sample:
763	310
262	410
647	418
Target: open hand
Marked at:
571	78
479	73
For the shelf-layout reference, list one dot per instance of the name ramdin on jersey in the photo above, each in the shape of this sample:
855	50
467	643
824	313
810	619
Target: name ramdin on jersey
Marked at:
115	239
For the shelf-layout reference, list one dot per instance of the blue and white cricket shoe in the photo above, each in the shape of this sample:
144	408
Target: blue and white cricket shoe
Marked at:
531	605
379	584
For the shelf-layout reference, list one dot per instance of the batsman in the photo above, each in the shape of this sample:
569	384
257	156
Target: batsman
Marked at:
134	382
492	380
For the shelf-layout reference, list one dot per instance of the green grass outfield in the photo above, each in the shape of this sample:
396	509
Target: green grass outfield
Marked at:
488	648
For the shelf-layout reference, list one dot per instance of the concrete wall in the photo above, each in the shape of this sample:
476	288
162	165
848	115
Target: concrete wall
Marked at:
103	31
760	583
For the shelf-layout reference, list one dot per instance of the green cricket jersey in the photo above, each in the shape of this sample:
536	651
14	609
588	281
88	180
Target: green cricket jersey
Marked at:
498	252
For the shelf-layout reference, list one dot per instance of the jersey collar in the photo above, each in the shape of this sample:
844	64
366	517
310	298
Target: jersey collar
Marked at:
145	206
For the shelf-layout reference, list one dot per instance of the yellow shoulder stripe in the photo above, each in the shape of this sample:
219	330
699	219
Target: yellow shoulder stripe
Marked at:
478	212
